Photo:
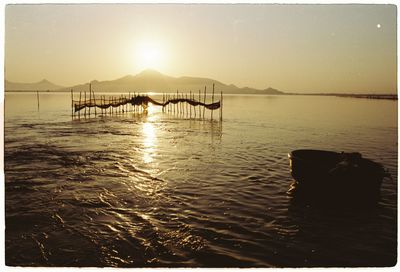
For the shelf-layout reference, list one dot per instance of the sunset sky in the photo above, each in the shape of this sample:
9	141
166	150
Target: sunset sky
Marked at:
294	48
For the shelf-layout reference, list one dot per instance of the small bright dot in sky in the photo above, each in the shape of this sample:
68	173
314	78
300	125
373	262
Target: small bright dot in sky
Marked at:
378	25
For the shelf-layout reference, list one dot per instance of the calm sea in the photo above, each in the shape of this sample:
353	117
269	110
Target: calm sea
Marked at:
163	190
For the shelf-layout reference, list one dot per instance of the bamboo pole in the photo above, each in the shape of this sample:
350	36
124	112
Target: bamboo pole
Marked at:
90	97
220	108
72	104
177	105
79	112
37	96
204	108
194	108
182	106
94	98
163	102
129	99
101	105
212	101
199	105
190	108
187	112
85	104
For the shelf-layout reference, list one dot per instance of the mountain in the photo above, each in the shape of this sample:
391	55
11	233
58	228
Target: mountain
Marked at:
154	81
43	85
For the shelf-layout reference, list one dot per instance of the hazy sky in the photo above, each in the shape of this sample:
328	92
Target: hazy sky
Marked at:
299	48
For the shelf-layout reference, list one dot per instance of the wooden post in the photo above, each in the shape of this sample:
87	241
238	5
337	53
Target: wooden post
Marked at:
85	104
101	105
199	105
37	95
162	103
182	106
204	108
72	104
194	108
186	105
79	112
190	108
220	108
95	106
129	99
212	101
90	97
177	105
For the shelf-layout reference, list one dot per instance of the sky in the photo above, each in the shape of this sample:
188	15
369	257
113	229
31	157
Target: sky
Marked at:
293	48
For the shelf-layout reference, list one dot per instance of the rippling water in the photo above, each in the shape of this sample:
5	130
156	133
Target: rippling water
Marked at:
162	190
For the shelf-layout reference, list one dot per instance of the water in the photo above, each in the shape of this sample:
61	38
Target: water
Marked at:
161	190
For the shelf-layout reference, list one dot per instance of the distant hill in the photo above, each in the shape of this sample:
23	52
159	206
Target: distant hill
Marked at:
43	85
154	81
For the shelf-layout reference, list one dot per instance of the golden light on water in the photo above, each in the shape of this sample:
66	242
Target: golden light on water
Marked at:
149	141
151	108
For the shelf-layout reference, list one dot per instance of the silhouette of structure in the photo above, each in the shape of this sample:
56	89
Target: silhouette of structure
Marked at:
177	103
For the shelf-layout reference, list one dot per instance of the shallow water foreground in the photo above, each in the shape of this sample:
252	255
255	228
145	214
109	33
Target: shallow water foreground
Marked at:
161	190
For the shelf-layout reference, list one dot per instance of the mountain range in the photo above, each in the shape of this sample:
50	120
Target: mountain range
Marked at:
42	85
146	81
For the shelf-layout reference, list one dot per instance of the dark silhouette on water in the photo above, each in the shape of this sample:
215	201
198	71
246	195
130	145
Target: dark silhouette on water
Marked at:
335	179
120	104
143	100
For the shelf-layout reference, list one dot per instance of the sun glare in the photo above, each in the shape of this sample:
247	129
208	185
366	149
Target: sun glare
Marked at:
149	55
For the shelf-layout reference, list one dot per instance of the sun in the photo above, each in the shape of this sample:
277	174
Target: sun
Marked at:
149	55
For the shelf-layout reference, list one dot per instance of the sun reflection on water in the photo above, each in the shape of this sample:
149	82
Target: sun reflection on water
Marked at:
149	140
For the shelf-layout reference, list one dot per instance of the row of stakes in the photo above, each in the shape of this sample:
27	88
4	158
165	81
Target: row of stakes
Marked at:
123	105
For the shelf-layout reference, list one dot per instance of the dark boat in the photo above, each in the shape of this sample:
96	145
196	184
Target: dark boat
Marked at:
342	176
